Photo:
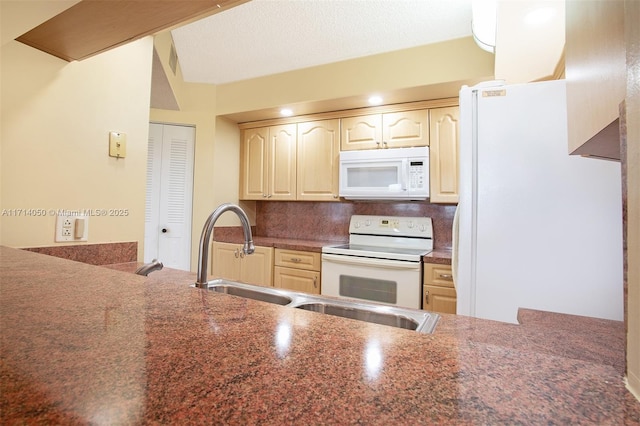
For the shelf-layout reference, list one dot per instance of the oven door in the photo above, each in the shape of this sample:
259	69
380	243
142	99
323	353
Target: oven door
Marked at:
393	282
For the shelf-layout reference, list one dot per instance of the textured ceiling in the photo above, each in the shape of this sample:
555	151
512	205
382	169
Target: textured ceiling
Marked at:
264	37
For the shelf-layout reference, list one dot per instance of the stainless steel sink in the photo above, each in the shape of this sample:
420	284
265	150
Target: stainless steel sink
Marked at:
258	293
410	319
384	318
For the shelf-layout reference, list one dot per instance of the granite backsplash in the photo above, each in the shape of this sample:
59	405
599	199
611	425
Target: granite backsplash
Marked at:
308	220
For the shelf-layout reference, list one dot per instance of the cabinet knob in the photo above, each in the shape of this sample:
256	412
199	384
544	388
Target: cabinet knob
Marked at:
315	282
236	253
165	230
296	260
426	297
446	276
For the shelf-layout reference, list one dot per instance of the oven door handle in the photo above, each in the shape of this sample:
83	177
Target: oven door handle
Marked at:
370	262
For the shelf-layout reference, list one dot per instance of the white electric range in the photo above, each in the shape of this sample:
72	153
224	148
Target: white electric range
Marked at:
382	262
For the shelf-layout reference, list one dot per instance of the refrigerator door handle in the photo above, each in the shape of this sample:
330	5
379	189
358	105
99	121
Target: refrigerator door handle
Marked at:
454	245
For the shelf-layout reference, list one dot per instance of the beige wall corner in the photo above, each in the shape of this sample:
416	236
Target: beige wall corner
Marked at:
528	49
56	119
189	96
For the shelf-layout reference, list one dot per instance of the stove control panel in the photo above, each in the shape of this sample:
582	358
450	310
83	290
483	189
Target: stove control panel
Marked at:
391	225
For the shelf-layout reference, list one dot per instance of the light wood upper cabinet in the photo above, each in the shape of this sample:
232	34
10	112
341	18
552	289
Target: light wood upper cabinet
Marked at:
268	163
388	130
405	129
439	293
318	160
297	270
282	162
444	155
595	69
228	262
362	132
298	158
253	163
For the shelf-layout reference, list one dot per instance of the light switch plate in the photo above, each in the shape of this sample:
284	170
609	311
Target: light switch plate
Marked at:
117	144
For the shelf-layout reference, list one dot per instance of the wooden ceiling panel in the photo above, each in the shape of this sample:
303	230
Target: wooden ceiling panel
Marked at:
93	26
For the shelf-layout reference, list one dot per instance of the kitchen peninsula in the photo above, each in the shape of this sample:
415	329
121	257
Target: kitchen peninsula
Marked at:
90	344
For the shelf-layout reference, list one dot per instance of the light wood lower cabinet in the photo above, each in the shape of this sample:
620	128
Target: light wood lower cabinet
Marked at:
297	270
228	262
438	292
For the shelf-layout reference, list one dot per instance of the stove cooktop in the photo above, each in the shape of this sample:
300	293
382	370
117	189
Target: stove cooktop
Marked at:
379	252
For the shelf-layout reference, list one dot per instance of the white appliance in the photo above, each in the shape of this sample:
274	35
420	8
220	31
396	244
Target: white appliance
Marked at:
385	174
382	262
536	227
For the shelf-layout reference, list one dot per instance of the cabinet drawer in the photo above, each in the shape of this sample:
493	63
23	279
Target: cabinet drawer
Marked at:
440	275
297	259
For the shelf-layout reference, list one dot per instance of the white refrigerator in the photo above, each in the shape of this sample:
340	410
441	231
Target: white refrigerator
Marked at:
535	227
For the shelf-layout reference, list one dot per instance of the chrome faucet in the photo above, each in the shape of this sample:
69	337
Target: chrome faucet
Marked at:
148	268
205	238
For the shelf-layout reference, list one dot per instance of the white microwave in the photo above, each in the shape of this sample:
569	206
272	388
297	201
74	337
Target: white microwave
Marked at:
385	174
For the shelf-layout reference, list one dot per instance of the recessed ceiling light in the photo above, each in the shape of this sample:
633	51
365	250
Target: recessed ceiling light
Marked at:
375	100
286	112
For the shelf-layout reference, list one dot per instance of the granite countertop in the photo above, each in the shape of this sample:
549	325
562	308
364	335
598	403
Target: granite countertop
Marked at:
89	344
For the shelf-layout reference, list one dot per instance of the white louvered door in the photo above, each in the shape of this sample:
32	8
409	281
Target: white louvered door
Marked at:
169	195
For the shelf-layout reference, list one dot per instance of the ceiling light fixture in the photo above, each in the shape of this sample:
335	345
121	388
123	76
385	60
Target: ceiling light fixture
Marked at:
483	23
286	112
375	100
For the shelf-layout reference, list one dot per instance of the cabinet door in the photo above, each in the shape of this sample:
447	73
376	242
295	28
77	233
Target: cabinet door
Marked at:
439	299
443	155
225	261
405	129
257	267
282	163
297	279
362	132
318	160
254	164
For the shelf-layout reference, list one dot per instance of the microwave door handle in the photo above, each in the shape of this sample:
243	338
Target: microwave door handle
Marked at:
405	174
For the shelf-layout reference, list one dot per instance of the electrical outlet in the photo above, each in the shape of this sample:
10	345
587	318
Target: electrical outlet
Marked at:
72	228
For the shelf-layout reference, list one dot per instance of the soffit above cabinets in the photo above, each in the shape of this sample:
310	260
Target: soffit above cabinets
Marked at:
93	26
